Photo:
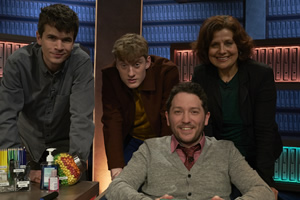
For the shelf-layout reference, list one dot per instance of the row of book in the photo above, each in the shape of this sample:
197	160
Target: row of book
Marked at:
162	51
92	53
86	34
285	61
189	32
283	7
191	11
283	29
171	33
185	60
6	49
287	166
288	123
32	9
288	99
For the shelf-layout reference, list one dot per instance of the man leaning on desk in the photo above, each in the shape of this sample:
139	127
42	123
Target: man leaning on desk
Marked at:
188	164
47	91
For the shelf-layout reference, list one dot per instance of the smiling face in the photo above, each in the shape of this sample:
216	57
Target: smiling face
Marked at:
133	74
56	46
187	118
223	51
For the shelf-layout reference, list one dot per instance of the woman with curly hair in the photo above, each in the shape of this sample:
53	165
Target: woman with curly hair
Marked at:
241	93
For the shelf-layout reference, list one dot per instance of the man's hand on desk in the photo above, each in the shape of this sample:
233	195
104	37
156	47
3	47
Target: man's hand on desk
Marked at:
166	196
35	176
217	198
115	172
275	192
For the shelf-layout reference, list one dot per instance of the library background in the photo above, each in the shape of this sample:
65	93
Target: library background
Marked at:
170	25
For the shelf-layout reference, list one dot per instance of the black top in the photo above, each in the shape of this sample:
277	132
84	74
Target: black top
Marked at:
257	108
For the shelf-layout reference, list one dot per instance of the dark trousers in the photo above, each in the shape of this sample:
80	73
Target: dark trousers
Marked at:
235	193
132	144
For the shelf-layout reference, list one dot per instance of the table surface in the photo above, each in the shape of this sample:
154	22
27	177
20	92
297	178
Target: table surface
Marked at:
83	190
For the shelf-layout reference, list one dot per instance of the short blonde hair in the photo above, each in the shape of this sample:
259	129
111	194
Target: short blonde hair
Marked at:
130	47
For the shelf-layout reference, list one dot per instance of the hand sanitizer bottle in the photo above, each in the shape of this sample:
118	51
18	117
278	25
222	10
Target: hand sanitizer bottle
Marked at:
53	183
46	168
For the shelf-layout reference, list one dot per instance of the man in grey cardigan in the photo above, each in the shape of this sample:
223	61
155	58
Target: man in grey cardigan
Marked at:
157	170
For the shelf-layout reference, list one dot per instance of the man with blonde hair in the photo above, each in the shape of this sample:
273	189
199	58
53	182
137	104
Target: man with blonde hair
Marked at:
134	91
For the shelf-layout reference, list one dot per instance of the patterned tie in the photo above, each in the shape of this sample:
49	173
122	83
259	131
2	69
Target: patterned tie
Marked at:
189	155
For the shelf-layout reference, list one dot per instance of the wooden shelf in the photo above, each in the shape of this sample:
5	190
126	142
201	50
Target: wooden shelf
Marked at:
277	42
291	141
16	38
289	85
292	187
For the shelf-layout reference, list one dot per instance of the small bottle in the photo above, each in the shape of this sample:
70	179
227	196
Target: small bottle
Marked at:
47	167
53	183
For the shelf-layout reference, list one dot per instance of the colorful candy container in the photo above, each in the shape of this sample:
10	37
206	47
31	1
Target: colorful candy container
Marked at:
68	171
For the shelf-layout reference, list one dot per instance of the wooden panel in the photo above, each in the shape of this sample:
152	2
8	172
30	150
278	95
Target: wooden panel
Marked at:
114	18
1	57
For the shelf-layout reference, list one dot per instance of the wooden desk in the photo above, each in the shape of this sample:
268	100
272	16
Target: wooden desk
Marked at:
83	190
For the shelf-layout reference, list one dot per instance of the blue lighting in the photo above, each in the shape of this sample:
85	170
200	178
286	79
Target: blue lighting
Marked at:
287	166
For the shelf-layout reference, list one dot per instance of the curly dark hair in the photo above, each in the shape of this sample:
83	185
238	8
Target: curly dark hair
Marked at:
216	23
59	16
190	88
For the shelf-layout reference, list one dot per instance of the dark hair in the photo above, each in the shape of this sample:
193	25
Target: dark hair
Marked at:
59	16
130	47
216	23
191	88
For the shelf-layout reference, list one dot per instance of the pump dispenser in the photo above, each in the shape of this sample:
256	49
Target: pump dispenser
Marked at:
50	158
46	168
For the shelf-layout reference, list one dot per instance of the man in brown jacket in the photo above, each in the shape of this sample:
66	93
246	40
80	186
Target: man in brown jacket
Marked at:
134	91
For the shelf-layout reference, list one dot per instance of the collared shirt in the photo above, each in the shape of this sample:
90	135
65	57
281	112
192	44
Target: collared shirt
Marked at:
47	109
142	129
181	154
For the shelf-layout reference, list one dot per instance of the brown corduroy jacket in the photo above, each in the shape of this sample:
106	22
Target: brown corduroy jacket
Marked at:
119	106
